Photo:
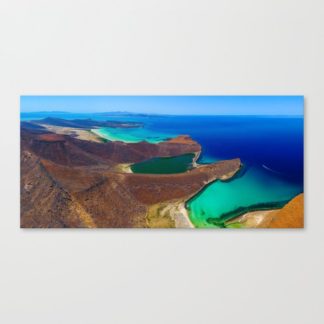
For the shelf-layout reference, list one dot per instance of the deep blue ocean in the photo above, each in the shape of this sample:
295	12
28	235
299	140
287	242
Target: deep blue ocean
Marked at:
271	147
276	142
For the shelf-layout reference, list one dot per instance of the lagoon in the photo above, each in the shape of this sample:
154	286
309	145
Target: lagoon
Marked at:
165	165
270	148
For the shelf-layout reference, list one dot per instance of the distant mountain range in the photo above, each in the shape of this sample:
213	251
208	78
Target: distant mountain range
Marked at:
78	123
110	113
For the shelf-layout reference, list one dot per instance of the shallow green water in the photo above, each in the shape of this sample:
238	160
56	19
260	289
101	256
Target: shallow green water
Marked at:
166	165
255	190
259	187
131	135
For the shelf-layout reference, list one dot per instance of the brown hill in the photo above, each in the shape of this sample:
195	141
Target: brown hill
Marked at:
66	182
66	150
291	215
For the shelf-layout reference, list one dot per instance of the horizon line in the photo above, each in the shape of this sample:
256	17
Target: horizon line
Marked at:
157	114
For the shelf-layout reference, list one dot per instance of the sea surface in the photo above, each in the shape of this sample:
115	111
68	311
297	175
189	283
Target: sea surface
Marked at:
270	148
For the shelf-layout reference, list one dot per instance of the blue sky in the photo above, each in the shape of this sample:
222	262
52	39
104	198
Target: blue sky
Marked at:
177	105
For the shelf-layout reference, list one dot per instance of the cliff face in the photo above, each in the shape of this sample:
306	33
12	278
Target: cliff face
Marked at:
66	182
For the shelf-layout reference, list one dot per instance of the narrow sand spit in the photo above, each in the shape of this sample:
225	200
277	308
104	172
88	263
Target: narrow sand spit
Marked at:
289	216
181	217
82	134
255	219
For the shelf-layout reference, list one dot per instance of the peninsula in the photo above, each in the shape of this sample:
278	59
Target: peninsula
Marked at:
71	182
73	178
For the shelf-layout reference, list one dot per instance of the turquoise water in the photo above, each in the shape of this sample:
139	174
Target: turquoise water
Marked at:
131	135
253	189
270	147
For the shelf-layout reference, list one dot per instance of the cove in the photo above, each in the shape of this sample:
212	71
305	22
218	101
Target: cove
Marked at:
253	188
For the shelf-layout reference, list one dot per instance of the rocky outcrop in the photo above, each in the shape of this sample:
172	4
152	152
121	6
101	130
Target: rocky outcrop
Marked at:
289	216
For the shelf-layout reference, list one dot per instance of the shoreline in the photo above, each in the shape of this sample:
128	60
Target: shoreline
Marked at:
124	168
229	176
272	218
172	214
113	138
82	134
178	211
109	137
252	219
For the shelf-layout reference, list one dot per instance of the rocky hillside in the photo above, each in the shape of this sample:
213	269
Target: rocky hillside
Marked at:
68	182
